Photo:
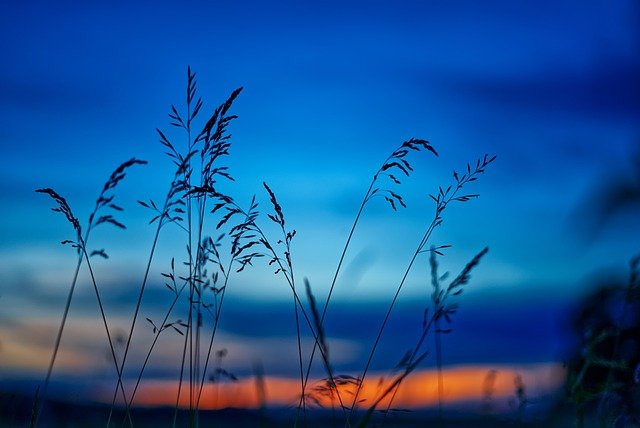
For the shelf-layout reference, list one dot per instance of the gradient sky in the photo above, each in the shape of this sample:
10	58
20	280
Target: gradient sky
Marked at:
330	89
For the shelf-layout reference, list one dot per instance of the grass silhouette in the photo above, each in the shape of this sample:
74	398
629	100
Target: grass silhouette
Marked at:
104	201
199	279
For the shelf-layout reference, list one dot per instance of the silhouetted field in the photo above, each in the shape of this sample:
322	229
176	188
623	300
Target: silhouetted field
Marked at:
223	237
15	409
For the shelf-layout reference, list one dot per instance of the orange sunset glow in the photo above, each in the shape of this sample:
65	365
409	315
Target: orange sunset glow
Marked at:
462	384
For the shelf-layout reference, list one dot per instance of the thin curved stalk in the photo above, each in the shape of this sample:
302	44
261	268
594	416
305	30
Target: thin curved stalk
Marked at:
56	347
106	327
394	161
202	203
385	320
302	379
153	344
184	352
188	339
442	201
333	283
440	310
135	317
439	369
80	245
287	241
412	357
296	297
213	333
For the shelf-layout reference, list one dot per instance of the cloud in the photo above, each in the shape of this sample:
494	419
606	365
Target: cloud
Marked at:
462	385
27	347
609	90
46	96
253	329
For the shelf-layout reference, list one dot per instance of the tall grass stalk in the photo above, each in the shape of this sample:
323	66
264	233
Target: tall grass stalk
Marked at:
287	271
396	161
167	214
435	281
280	263
211	143
324	347
242	241
182	364
131	330
104	201
408	369
40	397
214	145
106	327
254	234
442	200
440	310
158	331
216	319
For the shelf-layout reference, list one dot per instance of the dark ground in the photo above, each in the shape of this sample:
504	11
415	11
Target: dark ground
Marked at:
15	411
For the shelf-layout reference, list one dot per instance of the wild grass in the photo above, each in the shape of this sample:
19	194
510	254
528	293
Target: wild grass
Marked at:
222	239
104	201
607	372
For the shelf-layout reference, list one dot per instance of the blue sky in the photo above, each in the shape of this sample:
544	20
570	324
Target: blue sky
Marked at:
330	89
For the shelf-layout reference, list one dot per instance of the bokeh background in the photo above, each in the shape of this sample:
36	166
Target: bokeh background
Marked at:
330	89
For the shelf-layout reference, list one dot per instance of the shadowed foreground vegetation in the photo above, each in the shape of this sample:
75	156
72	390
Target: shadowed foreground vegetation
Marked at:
223	237
15	410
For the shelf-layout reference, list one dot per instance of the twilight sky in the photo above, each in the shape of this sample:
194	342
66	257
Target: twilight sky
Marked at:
330	89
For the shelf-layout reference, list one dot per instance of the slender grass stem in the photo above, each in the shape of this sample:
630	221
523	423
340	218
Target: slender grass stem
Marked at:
188	337
395	160
202	202
218	311
106	327
153	344
56	346
287	240
195	224
302	379
438	346
183	359
439	310
135	316
63	207
442	201
384	323
282	269
333	283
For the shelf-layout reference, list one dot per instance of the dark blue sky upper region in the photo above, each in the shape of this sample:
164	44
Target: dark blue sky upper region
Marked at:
330	89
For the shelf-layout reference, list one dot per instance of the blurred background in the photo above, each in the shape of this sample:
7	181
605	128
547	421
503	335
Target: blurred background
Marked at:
330	90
